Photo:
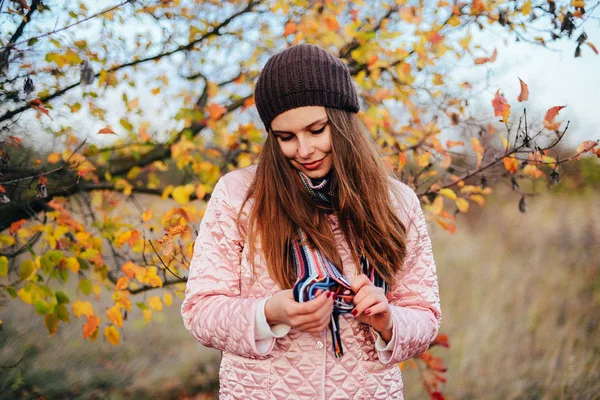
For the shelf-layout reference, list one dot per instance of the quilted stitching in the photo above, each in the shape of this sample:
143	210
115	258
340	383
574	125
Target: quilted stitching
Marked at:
220	304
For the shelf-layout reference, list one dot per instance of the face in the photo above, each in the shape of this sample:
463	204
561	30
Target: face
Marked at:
304	136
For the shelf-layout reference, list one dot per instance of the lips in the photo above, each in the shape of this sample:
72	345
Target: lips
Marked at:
313	165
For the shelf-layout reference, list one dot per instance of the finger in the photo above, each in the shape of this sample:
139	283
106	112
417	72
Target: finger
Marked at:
359	281
375	309
367	302
365	291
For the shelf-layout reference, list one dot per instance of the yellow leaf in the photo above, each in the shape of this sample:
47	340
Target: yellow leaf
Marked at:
168	299
526	9
147	313
115	316
123	238
449	193
181	194
146	215
155	303
3	266
511	164
437	206
479	199
167	192
462	204
477	145
70	263
112	335
53	158
578	3
80	308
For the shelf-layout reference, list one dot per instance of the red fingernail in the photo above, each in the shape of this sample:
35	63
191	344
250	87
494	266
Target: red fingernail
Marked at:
367	312
354	312
328	294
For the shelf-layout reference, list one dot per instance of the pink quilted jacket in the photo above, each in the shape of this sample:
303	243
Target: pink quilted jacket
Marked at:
220	306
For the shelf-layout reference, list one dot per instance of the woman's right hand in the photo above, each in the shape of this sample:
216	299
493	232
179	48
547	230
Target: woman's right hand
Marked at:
312	316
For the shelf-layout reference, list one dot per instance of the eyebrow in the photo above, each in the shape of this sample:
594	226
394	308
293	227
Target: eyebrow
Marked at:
322	120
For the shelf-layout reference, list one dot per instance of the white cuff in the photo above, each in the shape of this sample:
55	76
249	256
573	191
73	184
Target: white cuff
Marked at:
380	344
263	332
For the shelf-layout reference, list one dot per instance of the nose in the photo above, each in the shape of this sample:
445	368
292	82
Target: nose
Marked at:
305	147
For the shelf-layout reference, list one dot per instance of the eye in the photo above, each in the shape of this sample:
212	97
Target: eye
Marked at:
285	139
319	131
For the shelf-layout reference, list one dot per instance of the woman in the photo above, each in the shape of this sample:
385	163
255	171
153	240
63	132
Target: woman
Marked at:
313	270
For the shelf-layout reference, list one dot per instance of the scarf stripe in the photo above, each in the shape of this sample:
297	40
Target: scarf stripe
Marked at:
315	271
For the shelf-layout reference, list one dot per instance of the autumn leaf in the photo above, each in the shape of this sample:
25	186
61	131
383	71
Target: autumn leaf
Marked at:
462	204
216	111
122	283
449	193
80	308
511	164
37	105
592	47
483	60
3	266
90	326
290	28
15	226
112	335
115	316
147	215
551	114
586	146
147	313
106	131
168	299
501	106
51	322
155	303
524	95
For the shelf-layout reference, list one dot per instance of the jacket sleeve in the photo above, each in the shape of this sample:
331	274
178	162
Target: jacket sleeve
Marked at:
414	299
213	310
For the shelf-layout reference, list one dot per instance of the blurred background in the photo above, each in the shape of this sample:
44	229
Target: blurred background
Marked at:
117	119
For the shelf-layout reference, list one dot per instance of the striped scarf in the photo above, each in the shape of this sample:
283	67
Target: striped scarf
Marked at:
315	271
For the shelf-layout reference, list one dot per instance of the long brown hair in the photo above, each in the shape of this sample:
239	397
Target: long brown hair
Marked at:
365	211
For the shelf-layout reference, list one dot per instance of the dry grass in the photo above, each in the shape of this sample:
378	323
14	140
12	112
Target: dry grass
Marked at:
520	295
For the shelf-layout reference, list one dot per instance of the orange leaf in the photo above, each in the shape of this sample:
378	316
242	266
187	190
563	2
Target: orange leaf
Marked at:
15	226
586	146
551	114
501	106
332	23
289	29
90	326
441	340
511	164
477	146
524	95
39	106
122	283
147	215
106	131
53	158
216	111
483	60
592	46
452	143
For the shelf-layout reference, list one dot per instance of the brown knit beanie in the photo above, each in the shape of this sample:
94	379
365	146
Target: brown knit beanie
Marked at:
303	75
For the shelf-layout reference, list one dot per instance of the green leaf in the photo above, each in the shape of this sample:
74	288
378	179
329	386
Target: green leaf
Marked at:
51	322
85	285
142	306
63	313
11	291
3	266
83	264
27	268
41	307
61	297
31	42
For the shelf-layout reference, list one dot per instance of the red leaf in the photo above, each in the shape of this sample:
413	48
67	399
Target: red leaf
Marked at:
524	95
592	46
441	340
483	60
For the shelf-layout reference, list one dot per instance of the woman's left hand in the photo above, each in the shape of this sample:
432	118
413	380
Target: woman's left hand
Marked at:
371	306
